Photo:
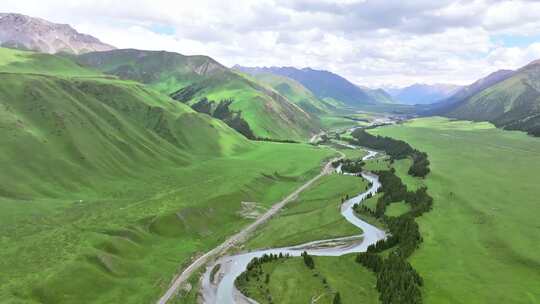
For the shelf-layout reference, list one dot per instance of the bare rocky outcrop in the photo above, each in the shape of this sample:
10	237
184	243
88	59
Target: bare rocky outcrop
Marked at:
36	34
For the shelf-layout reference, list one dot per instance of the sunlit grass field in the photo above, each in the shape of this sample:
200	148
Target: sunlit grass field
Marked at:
482	238
313	216
128	245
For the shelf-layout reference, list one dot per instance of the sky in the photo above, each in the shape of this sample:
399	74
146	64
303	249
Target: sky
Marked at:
375	43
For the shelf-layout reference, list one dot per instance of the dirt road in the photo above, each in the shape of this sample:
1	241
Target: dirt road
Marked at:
241	236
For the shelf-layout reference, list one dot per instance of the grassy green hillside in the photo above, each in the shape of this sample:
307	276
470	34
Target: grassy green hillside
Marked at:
380	95
296	92
12	61
107	187
482	233
324	84
512	104
86	127
191	78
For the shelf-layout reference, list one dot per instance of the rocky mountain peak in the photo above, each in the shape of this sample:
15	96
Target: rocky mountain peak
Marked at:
36	34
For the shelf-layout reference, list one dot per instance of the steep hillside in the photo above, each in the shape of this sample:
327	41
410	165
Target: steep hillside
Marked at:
448	104
325	85
81	121
190	79
513	103
423	93
295	92
379	95
28	33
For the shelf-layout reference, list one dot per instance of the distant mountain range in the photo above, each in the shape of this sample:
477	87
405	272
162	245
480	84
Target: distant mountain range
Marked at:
448	104
296	93
508	99
278	102
35	34
423	93
325	85
379	95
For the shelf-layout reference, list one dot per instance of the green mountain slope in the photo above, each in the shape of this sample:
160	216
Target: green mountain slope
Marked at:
421	93
295	92
325	85
12	61
462	95
80	122
192	78
107	185
512	104
379	95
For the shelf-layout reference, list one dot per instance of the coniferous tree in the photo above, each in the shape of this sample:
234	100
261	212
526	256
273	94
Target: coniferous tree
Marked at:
308	260
337	299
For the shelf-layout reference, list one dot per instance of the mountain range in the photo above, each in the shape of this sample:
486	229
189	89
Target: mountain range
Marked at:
36	34
284	104
325	85
423	93
296	93
508	99
272	102
466	92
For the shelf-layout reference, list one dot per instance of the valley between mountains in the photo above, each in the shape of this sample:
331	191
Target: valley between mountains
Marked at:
142	176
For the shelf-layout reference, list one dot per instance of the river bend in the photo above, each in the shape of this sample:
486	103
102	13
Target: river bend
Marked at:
223	291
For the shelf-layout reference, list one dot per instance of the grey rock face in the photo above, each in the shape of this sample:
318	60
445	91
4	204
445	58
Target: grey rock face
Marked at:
28	33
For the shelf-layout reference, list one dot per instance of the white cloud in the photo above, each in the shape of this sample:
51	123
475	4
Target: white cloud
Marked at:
390	42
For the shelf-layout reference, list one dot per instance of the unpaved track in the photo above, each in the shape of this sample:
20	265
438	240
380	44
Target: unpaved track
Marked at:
240	236
223	290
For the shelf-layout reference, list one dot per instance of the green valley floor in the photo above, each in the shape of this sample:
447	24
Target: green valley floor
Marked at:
126	245
313	216
482	238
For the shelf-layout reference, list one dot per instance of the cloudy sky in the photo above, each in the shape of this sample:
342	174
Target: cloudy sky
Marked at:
371	42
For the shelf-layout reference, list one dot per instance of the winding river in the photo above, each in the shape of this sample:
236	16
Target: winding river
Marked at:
221	290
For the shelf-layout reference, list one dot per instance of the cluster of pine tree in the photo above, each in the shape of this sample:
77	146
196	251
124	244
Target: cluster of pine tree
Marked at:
420	165
288	141
221	111
349	165
396	149
254	271
394	190
397	281
337	298
187	93
308	260
265	258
